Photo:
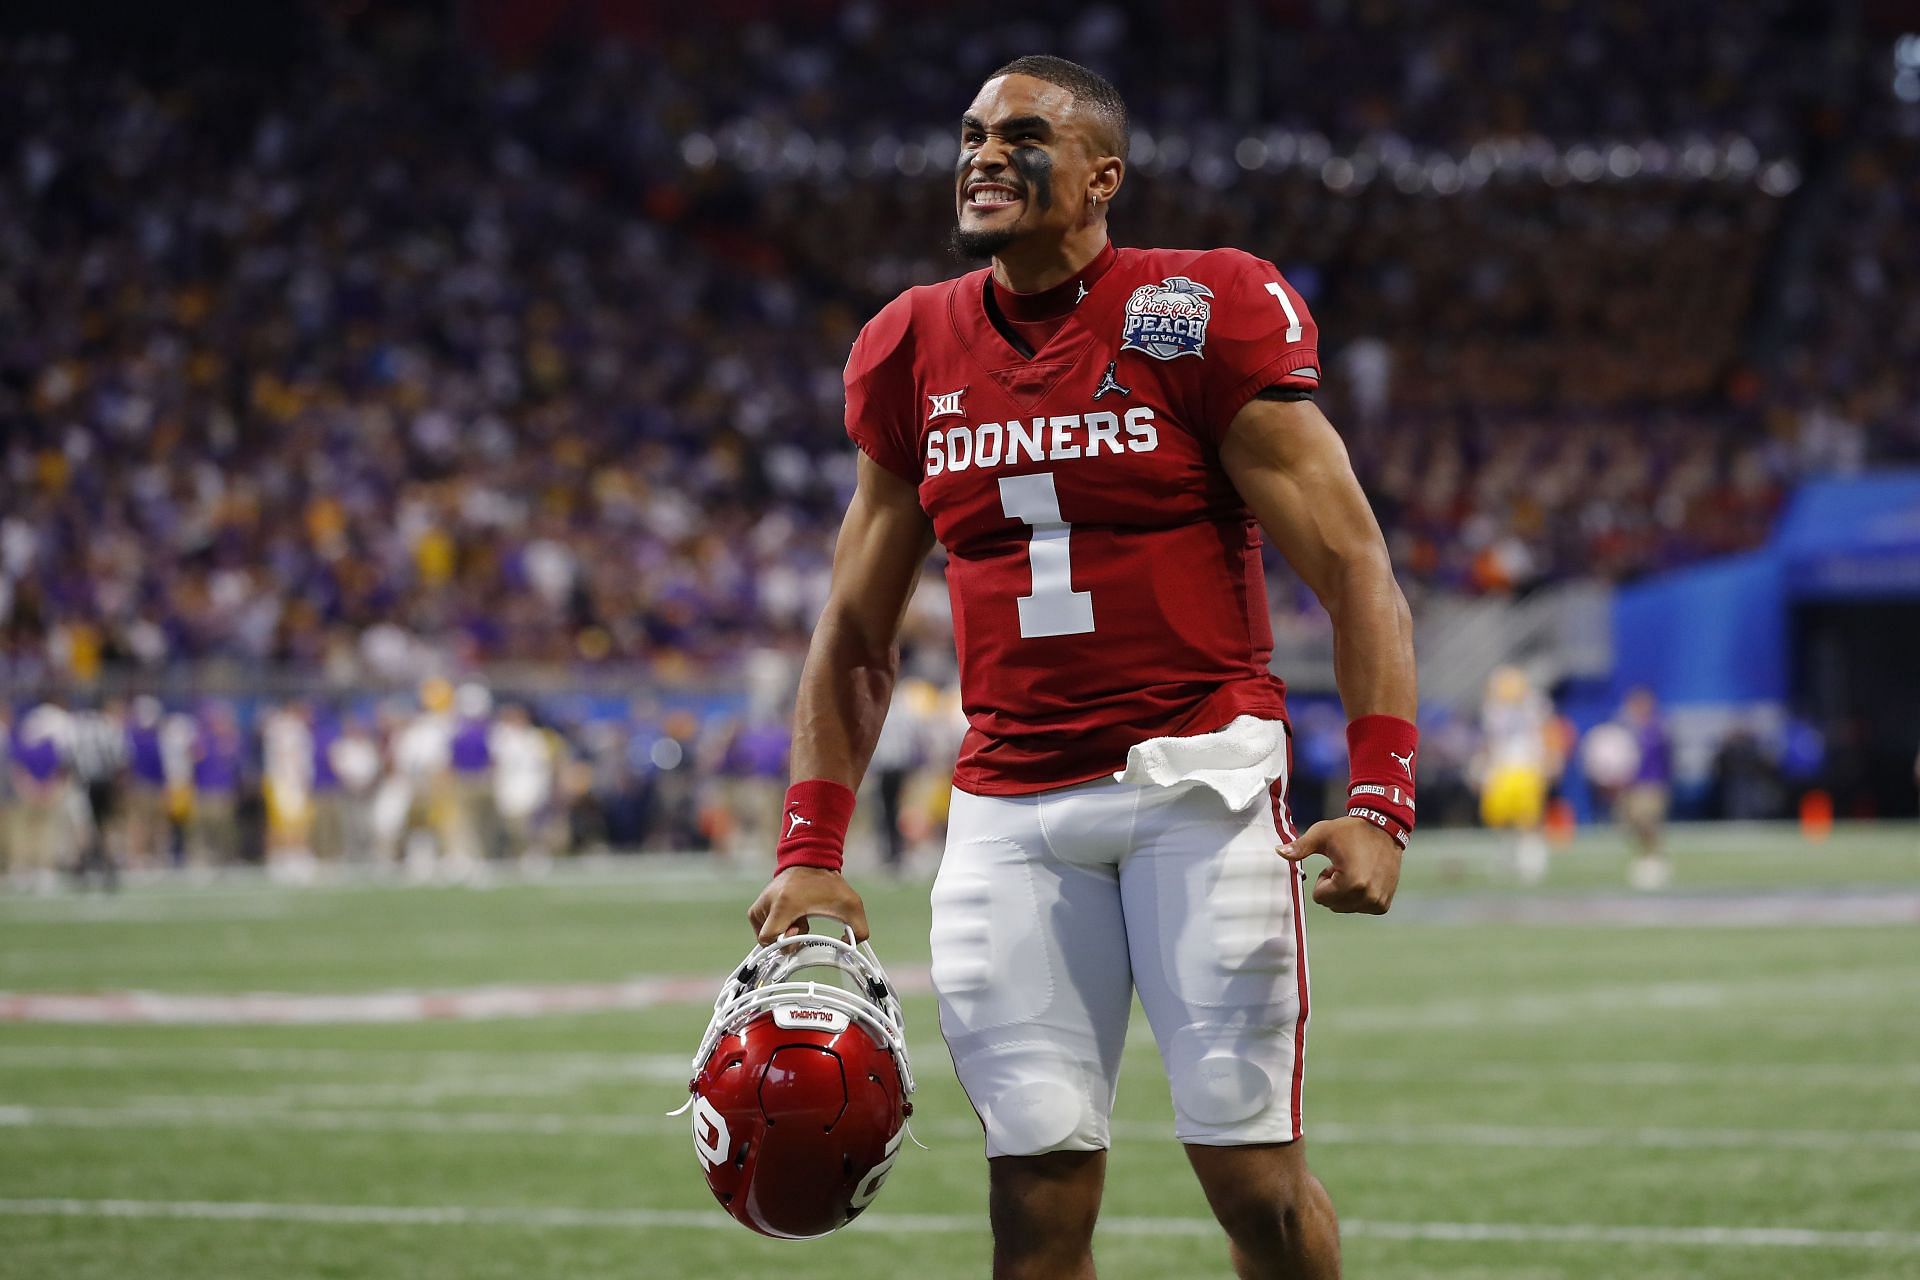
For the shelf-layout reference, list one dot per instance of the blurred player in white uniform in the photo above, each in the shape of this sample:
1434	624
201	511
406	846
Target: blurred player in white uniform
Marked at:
416	808
354	757
46	825
523	767
286	748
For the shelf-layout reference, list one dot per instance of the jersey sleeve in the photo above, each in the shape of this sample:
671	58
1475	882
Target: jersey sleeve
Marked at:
1262	336
880	391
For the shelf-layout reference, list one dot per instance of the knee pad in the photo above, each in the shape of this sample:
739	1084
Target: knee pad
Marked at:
1031	1099
1037	1117
1222	1089
1218	1081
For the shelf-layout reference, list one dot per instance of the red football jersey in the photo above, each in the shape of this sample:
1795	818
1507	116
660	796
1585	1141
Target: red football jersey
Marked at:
1105	576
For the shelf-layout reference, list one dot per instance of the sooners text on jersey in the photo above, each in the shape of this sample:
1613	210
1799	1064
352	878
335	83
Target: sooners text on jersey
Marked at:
1105	576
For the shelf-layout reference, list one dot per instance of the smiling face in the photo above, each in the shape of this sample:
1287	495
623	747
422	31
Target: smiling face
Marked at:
1030	163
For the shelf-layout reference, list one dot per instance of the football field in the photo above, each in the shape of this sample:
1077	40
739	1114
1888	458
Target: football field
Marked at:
374	1080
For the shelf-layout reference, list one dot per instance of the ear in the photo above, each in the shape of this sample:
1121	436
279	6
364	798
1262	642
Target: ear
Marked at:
1108	171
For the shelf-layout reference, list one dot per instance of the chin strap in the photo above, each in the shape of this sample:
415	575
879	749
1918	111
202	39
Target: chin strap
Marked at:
688	1104
916	1140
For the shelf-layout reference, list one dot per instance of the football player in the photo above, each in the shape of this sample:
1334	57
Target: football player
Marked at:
1517	766
1098	436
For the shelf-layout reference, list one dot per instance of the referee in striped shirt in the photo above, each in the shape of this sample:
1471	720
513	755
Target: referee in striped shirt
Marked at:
98	751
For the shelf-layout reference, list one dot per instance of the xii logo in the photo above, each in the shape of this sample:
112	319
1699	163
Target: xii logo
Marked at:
946	404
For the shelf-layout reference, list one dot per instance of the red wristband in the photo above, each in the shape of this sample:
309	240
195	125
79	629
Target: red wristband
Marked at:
813	827
1380	765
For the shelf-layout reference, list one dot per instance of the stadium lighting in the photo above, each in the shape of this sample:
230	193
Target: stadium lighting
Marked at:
698	151
1780	178
1906	68
747	147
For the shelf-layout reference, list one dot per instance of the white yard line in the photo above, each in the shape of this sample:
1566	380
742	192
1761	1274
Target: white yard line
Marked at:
1814	992
1595	1233
1807	995
421	1072
664	879
1632	1074
376	1094
1681	1138
145	909
244	1113
931	1224
418	1063
269	1112
414	1062
252	1008
458	1004
437	1085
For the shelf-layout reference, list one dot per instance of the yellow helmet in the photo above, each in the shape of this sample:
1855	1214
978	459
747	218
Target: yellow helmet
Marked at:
436	694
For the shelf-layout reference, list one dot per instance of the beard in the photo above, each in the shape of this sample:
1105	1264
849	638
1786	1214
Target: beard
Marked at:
976	245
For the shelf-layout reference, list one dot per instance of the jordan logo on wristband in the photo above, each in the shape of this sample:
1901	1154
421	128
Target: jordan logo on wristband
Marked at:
795	822
1405	762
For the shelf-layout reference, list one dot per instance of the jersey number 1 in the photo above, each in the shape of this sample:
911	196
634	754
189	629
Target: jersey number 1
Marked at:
1053	607
1286	305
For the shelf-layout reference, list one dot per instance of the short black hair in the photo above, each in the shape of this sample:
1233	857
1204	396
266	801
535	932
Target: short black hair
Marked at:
1091	90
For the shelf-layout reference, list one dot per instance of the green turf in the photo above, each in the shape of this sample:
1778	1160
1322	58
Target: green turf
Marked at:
1574	1078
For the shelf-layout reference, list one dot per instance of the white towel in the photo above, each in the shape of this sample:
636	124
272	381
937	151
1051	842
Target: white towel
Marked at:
1240	762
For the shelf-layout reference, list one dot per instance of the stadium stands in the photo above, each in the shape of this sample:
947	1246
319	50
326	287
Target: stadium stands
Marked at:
414	353
543	365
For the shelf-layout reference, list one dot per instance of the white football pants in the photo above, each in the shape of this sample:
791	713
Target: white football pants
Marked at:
1051	909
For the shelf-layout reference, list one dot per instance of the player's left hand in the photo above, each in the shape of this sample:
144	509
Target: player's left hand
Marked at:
1365	870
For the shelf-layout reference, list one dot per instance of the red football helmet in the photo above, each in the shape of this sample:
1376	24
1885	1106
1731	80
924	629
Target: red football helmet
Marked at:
801	1087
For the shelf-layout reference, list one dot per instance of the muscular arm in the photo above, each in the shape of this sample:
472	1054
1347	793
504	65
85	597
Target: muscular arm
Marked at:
1292	471
847	681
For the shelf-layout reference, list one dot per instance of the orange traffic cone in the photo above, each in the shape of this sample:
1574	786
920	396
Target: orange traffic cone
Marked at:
1816	816
1560	823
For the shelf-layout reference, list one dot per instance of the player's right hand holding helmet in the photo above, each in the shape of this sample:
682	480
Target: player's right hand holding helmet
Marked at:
801	1086
796	894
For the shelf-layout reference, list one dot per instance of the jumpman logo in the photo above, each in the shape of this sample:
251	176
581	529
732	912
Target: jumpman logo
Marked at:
795	822
1405	762
1110	383
1082	295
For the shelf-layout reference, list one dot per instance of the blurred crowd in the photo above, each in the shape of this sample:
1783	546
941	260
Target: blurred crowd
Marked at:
446	783
400	353
133	785
453	783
